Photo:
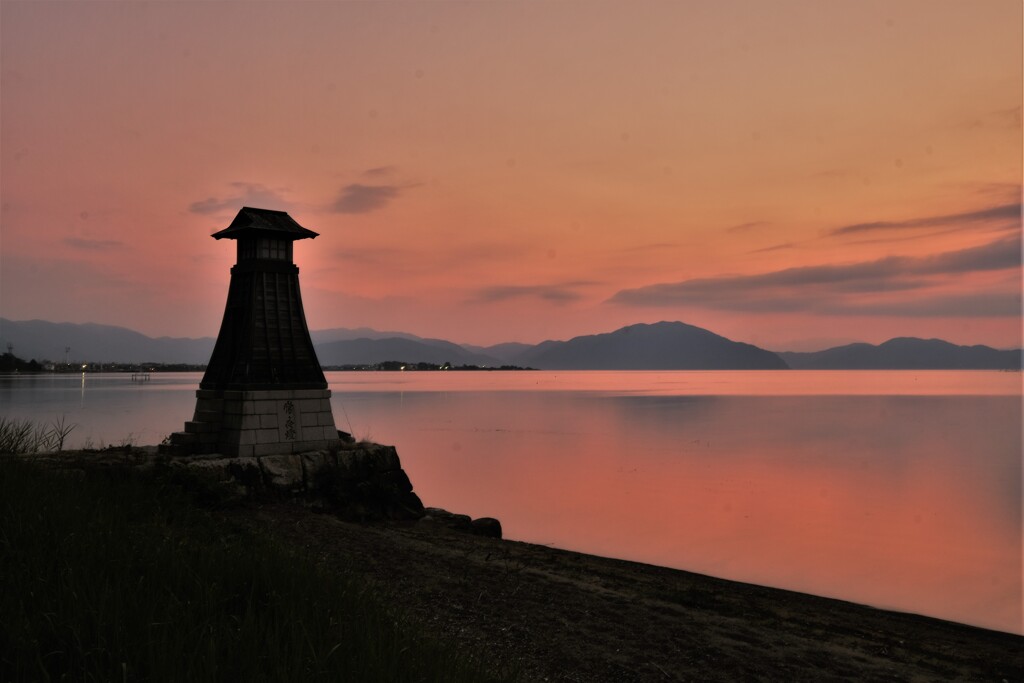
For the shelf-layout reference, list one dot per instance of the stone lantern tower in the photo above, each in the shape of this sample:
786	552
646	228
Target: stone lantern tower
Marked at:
263	392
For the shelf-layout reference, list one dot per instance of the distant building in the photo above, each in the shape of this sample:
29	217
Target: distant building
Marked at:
263	392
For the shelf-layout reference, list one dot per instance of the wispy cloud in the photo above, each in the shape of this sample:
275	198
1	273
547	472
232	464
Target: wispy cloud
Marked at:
50	276
986	305
380	171
1002	193
777	247
747	227
92	245
241	194
1002	213
373	256
998	255
654	246
839	288
561	293
359	198
410	257
1008	118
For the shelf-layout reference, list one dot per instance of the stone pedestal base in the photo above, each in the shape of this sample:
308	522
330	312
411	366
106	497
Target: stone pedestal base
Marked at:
255	423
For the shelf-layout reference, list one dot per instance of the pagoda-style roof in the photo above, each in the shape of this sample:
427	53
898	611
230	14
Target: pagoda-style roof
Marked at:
252	222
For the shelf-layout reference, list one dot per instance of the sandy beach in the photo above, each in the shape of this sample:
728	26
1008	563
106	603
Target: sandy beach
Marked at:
556	615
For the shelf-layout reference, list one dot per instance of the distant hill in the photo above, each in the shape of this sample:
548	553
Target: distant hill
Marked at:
905	353
371	351
661	346
93	343
508	352
347	333
107	343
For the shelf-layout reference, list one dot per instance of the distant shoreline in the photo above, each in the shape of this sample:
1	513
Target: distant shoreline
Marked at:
163	371
657	346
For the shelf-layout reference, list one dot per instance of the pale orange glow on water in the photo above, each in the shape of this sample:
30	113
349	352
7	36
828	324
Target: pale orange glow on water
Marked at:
905	497
896	489
699	383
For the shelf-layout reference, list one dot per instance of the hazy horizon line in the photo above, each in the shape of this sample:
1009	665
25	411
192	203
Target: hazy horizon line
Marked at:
791	349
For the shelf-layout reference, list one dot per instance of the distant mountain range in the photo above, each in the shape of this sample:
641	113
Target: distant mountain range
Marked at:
660	346
906	353
40	340
372	351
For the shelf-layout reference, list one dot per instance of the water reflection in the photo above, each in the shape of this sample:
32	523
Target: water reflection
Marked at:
903	502
106	408
903	493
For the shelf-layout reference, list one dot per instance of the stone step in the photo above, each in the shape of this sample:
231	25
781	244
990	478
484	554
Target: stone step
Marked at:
184	438
194	427
212	416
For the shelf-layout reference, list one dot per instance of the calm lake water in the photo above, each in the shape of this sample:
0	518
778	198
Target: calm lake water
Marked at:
900	490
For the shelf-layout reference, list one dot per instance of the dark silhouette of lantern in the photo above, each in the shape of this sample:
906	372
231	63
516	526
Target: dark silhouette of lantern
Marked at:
263	392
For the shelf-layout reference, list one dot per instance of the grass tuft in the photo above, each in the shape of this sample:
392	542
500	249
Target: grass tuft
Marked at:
115	578
29	436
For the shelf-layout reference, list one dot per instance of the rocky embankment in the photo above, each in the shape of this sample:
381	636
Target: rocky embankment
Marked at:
361	482
555	615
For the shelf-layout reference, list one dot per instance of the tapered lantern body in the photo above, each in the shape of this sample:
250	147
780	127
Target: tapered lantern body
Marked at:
263	392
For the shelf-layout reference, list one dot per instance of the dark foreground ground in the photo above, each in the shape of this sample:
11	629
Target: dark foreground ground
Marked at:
562	616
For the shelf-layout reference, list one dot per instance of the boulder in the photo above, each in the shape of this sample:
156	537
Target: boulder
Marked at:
365	482
394	482
313	462
245	471
204	468
353	464
282	472
218	478
382	458
447	519
406	506
486	526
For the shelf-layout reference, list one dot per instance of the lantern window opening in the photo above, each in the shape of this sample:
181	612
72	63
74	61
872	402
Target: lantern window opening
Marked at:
264	248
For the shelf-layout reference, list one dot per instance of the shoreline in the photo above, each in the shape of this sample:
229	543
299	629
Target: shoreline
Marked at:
560	615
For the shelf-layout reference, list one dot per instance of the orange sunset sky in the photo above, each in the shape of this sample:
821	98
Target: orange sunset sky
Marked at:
794	174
